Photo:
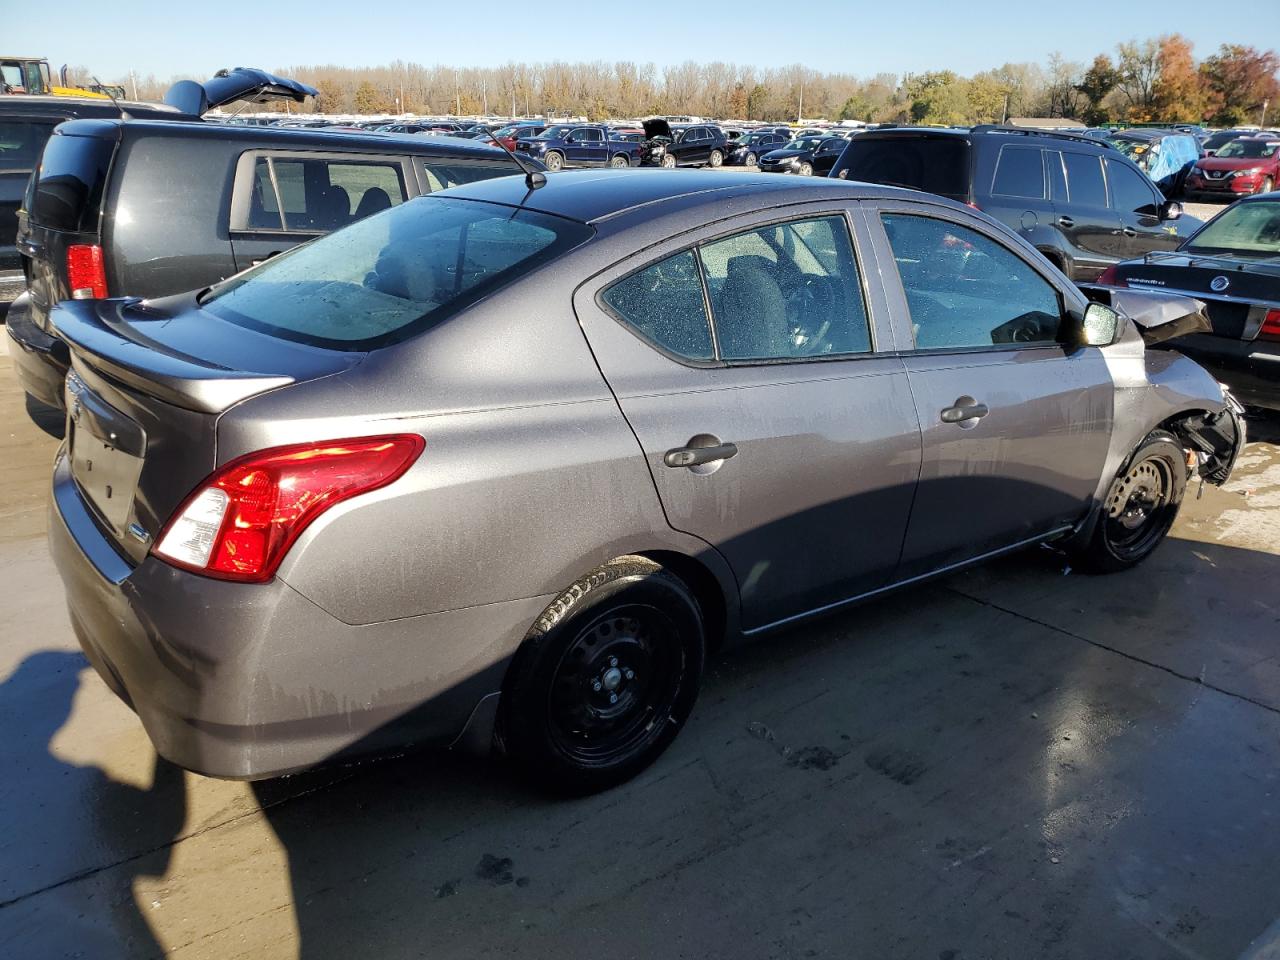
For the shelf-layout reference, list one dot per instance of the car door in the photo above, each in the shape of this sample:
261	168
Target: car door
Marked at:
1090	227
696	146
1015	421
1018	192
593	149
283	198
762	387
827	154
1138	203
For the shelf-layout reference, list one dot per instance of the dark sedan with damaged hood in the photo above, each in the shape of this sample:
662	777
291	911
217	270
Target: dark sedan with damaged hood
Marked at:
502	465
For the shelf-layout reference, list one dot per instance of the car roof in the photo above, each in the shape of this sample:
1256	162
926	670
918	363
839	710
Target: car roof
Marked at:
85	107
295	137
590	196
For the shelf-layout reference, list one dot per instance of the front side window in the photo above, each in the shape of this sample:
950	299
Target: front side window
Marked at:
1129	190
389	276
965	290
1085	185
1020	173
787	291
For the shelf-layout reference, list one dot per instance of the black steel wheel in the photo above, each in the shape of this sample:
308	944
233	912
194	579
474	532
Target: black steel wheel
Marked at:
1142	504
605	679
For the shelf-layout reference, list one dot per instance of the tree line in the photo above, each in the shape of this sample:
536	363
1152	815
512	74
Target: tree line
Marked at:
1157	79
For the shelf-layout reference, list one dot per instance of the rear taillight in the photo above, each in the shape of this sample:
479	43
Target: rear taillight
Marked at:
1109	278
1270	326
86	276
242	520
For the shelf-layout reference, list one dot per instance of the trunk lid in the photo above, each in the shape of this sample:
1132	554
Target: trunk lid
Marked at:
1229	285
148	383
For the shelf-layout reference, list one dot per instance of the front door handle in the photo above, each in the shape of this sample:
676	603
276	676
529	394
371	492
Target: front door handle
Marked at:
696	456
966	412
1066	222
1129	232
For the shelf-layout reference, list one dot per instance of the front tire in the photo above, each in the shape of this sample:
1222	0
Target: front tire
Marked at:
605	679
806	170
1267	185
668	162
751	160
715	159
554	162
1141	505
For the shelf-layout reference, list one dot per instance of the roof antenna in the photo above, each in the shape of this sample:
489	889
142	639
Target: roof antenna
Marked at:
124	114
533	179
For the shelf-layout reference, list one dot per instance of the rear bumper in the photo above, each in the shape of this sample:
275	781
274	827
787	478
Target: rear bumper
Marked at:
39	360
247	681
1250	368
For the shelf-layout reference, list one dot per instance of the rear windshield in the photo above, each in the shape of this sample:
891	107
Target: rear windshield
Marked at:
391	275
934	164
1251	228
72	175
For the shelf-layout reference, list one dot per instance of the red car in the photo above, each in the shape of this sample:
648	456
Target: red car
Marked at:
507	136
1245	166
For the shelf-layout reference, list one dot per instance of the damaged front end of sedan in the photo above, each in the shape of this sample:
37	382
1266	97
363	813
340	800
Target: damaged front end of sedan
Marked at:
1148	379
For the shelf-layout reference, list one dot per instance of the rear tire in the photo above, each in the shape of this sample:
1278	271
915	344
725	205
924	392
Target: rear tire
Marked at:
715	159
619	162
554	162
1142	503
605	679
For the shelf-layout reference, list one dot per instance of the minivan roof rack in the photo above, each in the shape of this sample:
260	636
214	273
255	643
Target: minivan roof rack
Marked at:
1038	132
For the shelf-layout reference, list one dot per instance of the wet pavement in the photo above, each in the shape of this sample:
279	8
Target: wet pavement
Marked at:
1018	762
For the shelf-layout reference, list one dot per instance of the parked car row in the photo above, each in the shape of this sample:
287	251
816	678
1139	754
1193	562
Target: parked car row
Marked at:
455	470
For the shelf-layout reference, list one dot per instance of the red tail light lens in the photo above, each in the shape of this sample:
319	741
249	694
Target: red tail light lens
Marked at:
1109	278
1270	326
86	276
242	521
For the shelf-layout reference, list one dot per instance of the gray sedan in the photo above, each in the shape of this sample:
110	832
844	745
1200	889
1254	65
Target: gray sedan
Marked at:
503	465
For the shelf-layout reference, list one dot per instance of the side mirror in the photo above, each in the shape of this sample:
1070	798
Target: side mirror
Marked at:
1170	210
1101	325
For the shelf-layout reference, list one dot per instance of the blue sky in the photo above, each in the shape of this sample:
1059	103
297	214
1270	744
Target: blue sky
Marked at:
857	37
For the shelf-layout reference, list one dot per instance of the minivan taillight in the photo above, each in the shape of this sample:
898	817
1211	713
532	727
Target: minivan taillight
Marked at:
86	275
1270	326
240	523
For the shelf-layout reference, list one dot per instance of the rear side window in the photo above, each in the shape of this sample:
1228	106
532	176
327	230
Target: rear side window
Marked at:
445	173
1084	179
1129	190
20	144
70	182
299	194
391	275
663	303
934	164
1020	173
965	290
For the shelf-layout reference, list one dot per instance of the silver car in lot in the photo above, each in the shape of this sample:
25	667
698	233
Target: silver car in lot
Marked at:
503	465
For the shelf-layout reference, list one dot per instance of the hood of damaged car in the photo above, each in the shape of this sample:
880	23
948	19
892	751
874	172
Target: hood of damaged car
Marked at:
240	83
657	127
1158	316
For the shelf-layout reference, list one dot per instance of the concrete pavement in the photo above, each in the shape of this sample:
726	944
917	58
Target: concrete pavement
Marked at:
1017	762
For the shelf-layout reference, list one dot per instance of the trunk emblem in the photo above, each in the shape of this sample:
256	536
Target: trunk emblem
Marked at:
1219	283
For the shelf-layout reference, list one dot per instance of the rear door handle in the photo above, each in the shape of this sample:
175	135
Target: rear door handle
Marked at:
1066	222
966	412
696	456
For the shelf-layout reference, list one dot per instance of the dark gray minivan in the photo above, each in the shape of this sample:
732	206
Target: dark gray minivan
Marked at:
149	208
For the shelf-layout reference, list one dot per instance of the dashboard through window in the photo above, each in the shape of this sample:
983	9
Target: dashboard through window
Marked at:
965	290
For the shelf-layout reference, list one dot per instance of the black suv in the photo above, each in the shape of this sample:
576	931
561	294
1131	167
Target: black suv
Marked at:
1079	201
694	145
147	208
26	123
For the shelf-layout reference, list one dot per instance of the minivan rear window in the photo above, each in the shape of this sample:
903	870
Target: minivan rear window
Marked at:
70	181
934	164
391	275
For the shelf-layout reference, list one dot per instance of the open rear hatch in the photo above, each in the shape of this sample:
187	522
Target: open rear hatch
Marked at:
149	381
228	86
